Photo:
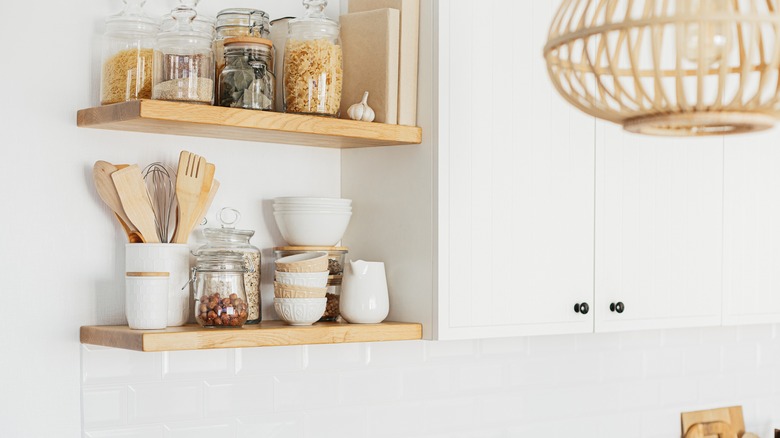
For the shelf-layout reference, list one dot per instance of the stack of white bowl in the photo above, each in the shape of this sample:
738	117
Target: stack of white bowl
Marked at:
312	221
300	287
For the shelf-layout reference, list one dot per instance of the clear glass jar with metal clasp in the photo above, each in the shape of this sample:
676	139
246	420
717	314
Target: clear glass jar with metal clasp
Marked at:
220	299
247	78
226	239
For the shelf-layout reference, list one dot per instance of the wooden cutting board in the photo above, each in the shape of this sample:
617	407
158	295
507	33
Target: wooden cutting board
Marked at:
731	416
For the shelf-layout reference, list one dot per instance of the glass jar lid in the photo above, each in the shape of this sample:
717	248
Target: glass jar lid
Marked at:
220	261
227	232
133	19
255	21
184	31
314	22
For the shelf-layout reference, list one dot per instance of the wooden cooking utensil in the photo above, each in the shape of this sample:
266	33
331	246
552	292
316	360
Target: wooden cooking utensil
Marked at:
205	190
135	200
209	200
715	428
731	415
189	184
101	174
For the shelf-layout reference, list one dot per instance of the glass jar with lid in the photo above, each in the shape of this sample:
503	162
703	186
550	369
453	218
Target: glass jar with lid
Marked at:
313	64
247	78
128	50
220	300
239	22
228	240
184	59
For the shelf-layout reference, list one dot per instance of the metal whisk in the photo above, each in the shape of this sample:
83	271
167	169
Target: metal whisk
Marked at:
161	186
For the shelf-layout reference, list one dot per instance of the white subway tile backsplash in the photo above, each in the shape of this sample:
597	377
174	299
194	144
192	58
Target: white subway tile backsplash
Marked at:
370	386
306	390
613	385
167	401
101	365
336	422
268	360
227	398
104	406
201	429
270	425
392	354
335	357
128	432
188	364
449	350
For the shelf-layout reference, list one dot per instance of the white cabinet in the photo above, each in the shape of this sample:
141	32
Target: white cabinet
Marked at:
751	263
659	212
487	227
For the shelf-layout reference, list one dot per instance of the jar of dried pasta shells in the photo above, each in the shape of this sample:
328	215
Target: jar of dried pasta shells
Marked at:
128	49
228	240
336	259
313	63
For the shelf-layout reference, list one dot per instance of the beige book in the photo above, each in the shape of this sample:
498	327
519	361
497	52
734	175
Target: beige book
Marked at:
370	43
408	55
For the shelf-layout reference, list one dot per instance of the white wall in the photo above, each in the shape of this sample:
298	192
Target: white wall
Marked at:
61	256
629	385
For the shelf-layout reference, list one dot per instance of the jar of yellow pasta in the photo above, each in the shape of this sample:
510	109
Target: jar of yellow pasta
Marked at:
313	64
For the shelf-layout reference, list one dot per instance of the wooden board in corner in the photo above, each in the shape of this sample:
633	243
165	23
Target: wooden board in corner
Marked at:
408	52
370	44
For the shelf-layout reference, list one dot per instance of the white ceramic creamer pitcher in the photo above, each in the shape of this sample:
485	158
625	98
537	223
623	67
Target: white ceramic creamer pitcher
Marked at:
364	298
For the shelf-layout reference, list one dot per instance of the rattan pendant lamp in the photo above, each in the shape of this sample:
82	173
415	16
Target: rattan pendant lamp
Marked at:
669	67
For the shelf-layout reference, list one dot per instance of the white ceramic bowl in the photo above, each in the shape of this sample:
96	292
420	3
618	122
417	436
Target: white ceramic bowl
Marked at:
305	228
300	311
306	279
313	201
302	207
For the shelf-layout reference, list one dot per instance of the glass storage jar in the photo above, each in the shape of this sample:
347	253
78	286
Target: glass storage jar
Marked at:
220	300
228	240
127	53
184	59
313	64
247	78
336	258
236	23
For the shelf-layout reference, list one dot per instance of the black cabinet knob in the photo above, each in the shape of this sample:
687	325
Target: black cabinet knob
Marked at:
618	307
582	308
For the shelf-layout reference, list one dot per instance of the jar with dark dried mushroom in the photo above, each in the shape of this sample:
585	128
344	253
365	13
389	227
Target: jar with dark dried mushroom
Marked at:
220	300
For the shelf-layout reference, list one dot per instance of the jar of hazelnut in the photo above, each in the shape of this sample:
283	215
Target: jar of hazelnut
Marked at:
220	300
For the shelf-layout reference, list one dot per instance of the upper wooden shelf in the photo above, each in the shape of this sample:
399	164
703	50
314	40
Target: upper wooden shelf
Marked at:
161	117
265	334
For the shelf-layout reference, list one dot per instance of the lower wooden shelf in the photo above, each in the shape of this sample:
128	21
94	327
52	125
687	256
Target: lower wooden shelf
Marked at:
266	334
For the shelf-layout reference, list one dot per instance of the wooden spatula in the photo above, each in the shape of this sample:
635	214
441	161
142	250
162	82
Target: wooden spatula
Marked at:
189	184
101	174
130	185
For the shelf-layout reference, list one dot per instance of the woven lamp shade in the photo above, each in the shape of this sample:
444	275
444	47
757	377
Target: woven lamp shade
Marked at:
669	67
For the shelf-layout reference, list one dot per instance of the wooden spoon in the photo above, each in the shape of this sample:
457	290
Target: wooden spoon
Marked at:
189	184
135	200
101	174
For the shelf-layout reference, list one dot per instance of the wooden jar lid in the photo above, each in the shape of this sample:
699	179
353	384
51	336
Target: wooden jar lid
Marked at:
311	248
148	274
248	39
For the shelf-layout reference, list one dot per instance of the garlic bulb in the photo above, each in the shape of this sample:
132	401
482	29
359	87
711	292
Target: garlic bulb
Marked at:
361	111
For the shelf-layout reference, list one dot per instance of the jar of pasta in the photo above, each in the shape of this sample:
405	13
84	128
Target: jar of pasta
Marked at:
128	49
184	59
313	63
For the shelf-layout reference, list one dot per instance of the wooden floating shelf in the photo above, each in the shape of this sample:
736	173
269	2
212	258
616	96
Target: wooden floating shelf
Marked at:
265	334
161	117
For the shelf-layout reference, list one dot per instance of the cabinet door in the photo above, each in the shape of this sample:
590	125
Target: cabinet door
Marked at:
515	179
751	264
659	212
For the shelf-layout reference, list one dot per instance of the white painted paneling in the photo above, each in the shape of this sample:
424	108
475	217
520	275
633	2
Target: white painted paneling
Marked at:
659	212
516	173
751	274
